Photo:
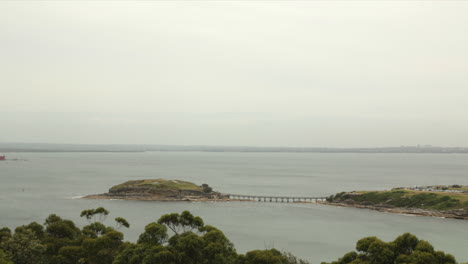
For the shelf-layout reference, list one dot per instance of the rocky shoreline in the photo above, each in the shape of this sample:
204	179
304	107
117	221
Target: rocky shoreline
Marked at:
455	214
150	194
107	196
161	190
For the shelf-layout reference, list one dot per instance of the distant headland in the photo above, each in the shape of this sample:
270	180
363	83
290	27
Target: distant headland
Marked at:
49	147
160	190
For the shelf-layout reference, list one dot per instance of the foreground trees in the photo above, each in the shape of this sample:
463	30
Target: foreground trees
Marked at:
176	239
405	249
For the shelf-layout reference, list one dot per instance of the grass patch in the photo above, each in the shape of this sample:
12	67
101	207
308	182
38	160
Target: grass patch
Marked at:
408	199
159	184
461	188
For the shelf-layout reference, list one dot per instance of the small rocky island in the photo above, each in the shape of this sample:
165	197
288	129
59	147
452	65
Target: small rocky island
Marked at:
448	201
160	190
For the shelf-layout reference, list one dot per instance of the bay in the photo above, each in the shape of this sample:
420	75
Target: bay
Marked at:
38	184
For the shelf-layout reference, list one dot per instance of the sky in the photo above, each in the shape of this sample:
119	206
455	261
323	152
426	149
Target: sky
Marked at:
235	73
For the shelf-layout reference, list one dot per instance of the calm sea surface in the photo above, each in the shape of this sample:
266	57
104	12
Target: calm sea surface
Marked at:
42	183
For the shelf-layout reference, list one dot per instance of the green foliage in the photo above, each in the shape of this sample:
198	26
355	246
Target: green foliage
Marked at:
405	244
131	254
188	248
94	214
218	249
24	247
94	230
71	254
405	249
206	188
122	222
5	234
403	198
4	258
59	228
159	254
36	228
59	241
182	223
192	243
269	256
291	259
159	184
103	249
155	234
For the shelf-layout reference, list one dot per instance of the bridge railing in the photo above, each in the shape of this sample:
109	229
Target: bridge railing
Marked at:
274	198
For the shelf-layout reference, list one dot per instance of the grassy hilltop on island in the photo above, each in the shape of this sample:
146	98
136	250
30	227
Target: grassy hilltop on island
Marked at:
159	184
408	199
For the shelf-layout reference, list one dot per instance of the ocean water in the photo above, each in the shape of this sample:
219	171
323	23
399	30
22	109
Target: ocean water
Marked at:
38	184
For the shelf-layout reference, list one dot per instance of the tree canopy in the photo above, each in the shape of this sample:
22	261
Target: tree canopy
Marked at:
405	249
177	239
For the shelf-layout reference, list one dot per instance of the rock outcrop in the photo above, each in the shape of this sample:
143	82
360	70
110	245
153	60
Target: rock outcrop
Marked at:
160	190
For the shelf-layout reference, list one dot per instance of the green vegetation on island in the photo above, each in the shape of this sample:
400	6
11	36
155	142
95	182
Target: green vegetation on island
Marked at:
161	190
176	239
444	202
159	184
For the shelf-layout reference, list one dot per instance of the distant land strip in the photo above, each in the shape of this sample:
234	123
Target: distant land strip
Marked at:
50	147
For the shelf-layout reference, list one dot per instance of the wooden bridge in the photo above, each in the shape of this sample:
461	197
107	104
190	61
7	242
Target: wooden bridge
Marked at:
274	199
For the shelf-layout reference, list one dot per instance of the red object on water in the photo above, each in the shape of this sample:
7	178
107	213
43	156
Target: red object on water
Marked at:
2	157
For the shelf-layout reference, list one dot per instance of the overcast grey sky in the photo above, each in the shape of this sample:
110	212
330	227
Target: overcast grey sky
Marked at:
260	73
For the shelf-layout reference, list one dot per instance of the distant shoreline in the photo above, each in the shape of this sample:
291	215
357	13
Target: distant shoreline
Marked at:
212	151
139	148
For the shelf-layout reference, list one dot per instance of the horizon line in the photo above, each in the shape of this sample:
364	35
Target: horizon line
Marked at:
230	146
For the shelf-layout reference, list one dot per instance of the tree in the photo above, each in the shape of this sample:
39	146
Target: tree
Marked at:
95	230
159	255
191	243
71	254
24	247
206	188
218	249
405	249
405	244
36	228
155	234
59	241
121	222
61	228
187	248
132	254
291	259
269	256
5	234
103	249
94	215
182	223
4	258
101	243
58	233
381	252
96	243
